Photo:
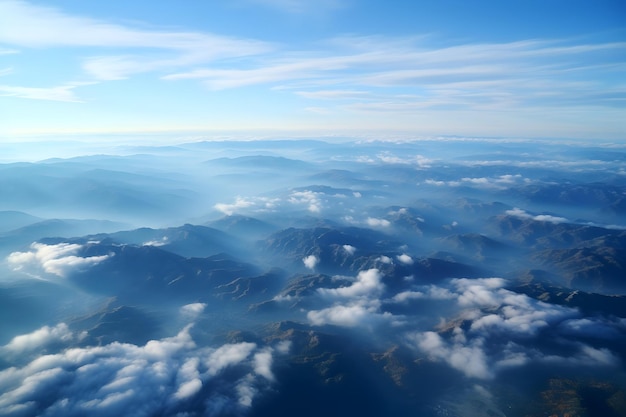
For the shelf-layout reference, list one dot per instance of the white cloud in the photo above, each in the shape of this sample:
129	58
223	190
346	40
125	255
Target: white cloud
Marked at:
308	197
501	182
411	64
283	347
418	160
166	376
59	259
263	364
478	292
230	209
349	249
431	292
50	27
193	310
228	355
39	338
384	259
469	359
189	382
58	93
513	74
375	222
391	159
161	242
364	313
405	259
423	162
521	214
497	328
310	261
355	305
368	283
435	182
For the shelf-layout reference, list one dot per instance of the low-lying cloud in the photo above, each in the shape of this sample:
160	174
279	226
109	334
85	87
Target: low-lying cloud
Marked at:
501	182
169	377
311	261
357	304
496	328
521	214
60	259
376	222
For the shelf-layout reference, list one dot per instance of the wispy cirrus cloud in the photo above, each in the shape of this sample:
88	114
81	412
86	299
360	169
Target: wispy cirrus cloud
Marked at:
376	75
58	93
50	27
541	72
145	50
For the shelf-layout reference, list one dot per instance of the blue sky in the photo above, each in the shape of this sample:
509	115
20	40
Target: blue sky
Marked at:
202	68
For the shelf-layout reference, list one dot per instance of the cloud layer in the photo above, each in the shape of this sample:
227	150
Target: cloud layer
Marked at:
170	376
60	259
496	329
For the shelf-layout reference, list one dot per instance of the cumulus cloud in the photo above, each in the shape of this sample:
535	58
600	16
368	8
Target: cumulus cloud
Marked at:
359	313
40	338
384	259
349	249
375	222
263	364
169	377
469	359
357	304
594	327
521	214
367	283
496	328
431	292
405	259
188	379
230	209
310	198
228	355
501	182
419	160
310	261
193	310
60	259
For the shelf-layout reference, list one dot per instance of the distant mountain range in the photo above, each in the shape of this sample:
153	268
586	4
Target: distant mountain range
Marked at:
436	278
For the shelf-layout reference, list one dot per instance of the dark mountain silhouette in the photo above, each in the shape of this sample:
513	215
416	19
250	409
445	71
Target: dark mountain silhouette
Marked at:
187	240
597	269
147	274
476	247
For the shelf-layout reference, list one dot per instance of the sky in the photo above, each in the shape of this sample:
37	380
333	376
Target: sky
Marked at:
200	68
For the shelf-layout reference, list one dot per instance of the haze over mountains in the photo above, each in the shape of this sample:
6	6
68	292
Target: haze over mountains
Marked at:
451	277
